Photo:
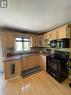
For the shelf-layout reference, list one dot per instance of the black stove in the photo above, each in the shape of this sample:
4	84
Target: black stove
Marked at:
57	65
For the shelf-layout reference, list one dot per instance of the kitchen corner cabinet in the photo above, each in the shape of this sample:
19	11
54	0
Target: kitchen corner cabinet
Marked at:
12	68
46	39
37	40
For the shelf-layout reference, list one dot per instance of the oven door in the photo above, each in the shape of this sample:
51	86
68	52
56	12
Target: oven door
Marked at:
53	67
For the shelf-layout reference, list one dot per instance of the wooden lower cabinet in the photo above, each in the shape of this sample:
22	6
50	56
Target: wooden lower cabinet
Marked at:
43	61
33	61
12	68
24	64
30	62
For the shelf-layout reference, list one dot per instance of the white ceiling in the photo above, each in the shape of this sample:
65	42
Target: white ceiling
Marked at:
36	15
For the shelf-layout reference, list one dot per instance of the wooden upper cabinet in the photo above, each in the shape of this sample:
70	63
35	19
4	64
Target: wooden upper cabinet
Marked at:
53	35
40	40
59	33
4	39
47	35
7	40
34	40
10	40
63	32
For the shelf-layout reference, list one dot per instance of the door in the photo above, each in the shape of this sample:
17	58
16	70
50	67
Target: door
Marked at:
1	61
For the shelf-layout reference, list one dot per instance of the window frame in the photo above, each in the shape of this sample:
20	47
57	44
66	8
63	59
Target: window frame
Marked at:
29	41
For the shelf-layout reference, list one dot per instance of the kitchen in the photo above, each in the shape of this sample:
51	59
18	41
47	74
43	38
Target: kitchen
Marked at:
35	61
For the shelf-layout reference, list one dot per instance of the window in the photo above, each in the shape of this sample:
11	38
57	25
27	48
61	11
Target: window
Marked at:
23	44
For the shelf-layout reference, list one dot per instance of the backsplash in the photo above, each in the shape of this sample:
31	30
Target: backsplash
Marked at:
6	50
34	49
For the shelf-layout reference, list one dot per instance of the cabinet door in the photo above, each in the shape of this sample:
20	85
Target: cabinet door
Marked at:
24	64
45	36
40	40
12	68
43	61
48	35
63	32
6	70
46	39
33	61
4	40
10	40
36	60
7	40
53	35
17	67
30	62
9	69
68	32
34	41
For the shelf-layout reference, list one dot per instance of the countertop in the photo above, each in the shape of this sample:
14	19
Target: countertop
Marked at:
18	57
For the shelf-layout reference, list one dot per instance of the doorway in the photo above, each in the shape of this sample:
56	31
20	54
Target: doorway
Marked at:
1	58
